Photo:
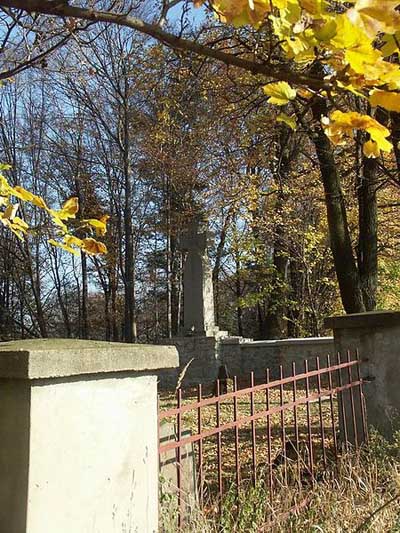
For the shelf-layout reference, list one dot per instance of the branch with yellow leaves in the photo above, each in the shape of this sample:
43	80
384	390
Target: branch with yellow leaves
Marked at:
61	9
342	43
59	219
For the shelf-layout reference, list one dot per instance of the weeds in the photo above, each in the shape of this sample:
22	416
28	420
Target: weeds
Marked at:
361	493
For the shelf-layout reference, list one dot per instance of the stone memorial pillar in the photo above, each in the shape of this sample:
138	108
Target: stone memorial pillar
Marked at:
198	304
376	335
198	342
79	436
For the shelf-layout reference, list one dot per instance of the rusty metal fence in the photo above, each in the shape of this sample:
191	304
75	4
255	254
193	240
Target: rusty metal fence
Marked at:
301	421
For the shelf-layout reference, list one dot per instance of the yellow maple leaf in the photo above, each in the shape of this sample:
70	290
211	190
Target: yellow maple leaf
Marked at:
375	16
315	7
10	211
20	224
5	189
27	196
93	247
371	149
100	225
14	223
39	202
22	194
57	221
242	12
390	44
280	93
280	4
71	240
69	209
340	126
64	246
325	30
386	99
356	47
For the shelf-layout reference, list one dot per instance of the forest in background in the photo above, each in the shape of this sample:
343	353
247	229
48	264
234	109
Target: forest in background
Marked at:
151	137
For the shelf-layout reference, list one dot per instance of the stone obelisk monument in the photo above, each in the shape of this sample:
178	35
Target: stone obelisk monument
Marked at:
198	298
199	338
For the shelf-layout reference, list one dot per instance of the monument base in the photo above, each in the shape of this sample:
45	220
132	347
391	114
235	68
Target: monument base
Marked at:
200	356
213	331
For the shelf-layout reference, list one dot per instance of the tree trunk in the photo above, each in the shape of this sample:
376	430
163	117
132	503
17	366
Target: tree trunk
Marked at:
61	303
368	233
395	127
168	258
276	328
217	264
340	241
239	310
85	322
129	310
114	321
36	290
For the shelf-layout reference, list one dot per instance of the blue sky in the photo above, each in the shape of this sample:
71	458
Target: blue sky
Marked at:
196	15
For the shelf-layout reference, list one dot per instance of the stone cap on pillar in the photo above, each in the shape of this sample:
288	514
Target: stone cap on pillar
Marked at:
57	358
370	319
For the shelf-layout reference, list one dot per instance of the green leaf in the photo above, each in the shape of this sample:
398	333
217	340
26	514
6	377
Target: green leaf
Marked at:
288	120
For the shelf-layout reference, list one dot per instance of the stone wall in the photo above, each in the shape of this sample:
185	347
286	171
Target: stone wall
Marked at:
200	353
376	337
241	356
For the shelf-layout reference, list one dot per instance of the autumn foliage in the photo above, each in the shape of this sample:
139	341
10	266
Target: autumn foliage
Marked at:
58	219
354	45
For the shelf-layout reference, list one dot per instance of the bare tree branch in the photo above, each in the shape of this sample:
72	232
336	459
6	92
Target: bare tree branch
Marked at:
59	9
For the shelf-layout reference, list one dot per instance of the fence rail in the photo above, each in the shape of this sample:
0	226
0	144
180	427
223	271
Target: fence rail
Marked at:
291	420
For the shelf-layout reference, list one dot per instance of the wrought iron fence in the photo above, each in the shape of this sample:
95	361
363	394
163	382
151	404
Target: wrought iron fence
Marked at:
301	421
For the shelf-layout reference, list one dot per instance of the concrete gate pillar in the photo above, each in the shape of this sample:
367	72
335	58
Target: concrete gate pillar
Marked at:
79	436
376	335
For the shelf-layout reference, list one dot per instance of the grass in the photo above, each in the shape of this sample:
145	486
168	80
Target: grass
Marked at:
359	494
209	420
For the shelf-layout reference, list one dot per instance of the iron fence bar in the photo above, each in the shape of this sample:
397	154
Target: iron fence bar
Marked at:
309	429
269	451
179	457
219	445
260	414
257	388
283	429
199	430
321	417
333	422
237	452
341	404
362	400
253	431
353	409
295	421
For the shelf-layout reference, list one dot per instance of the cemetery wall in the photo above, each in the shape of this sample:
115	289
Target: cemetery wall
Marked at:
376	336
241	356
200	354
